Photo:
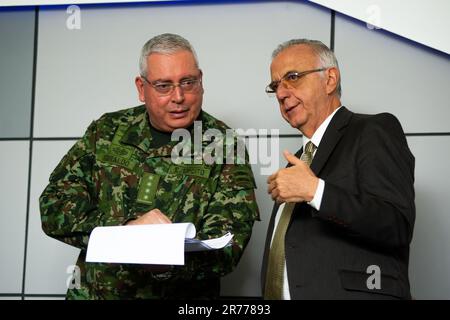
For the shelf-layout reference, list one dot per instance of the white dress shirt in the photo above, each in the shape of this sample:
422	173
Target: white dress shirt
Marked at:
317	199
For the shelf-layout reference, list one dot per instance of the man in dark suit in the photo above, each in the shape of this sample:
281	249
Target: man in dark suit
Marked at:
344	214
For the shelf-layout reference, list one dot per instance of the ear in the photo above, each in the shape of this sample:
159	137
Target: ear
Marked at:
139	82
201	78
333	77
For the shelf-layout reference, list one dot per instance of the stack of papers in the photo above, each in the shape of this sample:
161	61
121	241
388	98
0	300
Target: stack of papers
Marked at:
149	244
210	244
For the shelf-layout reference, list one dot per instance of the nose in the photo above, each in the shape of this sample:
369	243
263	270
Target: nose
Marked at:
282	92
177	95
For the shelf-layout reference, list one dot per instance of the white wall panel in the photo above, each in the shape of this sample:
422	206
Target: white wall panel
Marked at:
430	252
382	72
13	190
84	73
422	21
47	258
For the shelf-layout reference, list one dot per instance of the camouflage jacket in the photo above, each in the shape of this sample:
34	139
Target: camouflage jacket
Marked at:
99	182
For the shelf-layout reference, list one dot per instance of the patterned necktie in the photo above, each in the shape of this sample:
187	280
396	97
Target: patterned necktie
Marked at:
275	269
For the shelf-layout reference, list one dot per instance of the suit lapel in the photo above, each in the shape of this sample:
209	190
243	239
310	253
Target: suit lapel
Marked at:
332	135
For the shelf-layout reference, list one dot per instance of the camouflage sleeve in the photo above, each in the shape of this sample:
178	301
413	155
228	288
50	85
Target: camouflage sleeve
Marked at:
68	204
232	209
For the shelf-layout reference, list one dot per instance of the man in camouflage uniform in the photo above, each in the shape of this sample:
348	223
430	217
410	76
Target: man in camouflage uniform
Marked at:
120	173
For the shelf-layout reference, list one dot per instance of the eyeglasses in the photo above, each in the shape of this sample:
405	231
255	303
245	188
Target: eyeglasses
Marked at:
165	88
290	80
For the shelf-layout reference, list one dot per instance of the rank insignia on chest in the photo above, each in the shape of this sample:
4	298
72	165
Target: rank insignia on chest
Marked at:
147	188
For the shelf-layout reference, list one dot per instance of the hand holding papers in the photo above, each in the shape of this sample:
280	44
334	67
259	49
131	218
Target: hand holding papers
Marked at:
148	244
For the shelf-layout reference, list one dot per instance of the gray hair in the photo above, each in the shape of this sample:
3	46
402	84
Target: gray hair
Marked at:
166	43
325	55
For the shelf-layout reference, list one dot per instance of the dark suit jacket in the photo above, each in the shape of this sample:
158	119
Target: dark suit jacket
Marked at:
366	216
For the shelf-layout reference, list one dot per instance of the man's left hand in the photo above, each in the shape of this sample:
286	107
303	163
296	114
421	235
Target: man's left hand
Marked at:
294	184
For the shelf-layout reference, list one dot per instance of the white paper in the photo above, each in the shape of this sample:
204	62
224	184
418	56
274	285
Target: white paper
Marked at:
148	244
210	244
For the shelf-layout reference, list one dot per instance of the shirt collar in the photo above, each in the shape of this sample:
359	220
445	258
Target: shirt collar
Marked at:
318	135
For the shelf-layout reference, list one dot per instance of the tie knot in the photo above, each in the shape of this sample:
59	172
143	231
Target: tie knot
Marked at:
310	147
307	155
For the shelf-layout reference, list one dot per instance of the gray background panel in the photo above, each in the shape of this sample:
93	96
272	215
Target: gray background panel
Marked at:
13	190
16	70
